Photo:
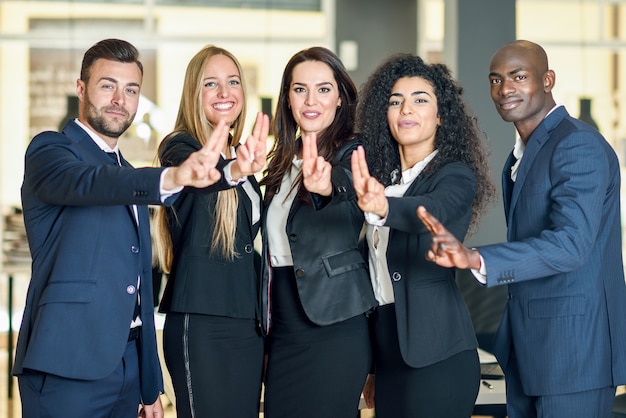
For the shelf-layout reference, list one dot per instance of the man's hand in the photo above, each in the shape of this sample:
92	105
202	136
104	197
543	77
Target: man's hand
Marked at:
315	169
445	249
198	170
369	191
152	411
252	154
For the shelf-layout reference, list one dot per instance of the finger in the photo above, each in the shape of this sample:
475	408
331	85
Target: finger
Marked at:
428	220
218	139
363	168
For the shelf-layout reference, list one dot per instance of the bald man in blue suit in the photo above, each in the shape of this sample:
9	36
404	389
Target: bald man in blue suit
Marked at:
83	349
562	339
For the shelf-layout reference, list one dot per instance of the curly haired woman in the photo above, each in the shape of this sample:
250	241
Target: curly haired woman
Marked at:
420	147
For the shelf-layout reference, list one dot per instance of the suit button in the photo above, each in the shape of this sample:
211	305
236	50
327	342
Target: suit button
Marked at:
248	248
396	276
293	237
300	273
134	249
131	290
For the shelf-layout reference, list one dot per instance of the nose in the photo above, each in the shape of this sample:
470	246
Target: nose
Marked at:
222	91
506	87
118	96
405	108
309	99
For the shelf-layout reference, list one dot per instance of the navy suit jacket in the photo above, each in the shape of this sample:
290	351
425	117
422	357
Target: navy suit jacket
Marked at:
566	312
87	253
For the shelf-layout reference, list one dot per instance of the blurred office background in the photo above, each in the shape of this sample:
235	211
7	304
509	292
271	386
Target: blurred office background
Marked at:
42	43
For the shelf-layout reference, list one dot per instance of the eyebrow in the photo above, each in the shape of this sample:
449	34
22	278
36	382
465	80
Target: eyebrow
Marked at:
323	83
215	77
415	93
513	72
113	80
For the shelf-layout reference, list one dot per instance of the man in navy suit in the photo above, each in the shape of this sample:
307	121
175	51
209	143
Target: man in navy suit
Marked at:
87	344
562	339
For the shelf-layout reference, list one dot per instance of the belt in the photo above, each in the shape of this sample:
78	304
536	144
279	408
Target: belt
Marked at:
134	333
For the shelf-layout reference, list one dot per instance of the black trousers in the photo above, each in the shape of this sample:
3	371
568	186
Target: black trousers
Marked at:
446	389
313	371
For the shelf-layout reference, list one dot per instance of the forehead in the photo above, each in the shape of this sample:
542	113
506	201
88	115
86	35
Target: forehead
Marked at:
123	72
412	84
312	72
220	63
512	59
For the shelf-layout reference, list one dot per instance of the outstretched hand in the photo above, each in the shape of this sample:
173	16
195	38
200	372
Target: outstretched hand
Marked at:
198	170
445	250
315	169
369	191
252	154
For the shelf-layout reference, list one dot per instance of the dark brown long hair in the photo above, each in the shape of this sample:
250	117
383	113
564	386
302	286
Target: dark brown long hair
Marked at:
285	127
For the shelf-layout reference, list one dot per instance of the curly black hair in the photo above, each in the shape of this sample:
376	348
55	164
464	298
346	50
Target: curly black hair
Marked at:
458	138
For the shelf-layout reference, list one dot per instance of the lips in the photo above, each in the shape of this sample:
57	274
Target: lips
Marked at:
407	124
310	115
223	105
509	104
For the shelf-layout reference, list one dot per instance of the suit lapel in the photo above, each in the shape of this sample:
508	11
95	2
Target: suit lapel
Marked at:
131	208
533	147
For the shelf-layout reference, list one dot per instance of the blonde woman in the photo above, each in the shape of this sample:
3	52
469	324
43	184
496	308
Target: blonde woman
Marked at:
212	345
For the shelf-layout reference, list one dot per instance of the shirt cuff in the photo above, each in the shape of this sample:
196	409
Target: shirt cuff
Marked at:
229	177
166	194
373	219
481	273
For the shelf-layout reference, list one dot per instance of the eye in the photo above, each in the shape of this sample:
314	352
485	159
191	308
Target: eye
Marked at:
210	84
495	81
421	100
233	82
132	91
520	77
394	102
324	90
299	90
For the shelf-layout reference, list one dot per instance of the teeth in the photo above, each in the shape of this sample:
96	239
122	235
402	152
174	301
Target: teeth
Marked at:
223	106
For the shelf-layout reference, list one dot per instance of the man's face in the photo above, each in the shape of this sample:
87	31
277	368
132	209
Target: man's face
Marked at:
520	87
110	97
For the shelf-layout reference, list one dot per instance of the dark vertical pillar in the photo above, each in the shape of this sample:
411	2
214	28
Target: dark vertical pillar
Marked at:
377	29
474	30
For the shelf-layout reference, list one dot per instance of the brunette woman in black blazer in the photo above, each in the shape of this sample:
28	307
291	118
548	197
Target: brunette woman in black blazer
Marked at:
316	289
212	342
422	148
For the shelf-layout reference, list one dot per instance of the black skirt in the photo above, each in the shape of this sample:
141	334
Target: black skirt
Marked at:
313	371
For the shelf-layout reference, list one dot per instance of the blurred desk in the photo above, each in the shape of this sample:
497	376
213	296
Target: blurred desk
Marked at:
11	269
491	400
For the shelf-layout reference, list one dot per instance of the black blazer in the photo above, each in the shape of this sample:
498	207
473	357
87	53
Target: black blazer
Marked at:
332	276
202	282
433	321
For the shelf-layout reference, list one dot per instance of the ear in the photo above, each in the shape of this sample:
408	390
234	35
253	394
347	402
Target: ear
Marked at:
80	89
549	79
339	102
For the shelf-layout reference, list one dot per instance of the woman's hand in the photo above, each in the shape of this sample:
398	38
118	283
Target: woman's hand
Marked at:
315	169
252	154
369	191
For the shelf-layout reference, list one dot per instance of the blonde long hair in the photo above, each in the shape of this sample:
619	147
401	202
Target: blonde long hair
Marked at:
192	120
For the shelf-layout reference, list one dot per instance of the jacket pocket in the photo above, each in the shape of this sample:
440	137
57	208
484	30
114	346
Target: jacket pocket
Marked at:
342	262
76	292
556	307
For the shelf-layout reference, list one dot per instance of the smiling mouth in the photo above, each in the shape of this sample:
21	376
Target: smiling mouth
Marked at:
223	106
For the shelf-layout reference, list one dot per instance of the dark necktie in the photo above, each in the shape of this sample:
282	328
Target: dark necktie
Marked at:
114	158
